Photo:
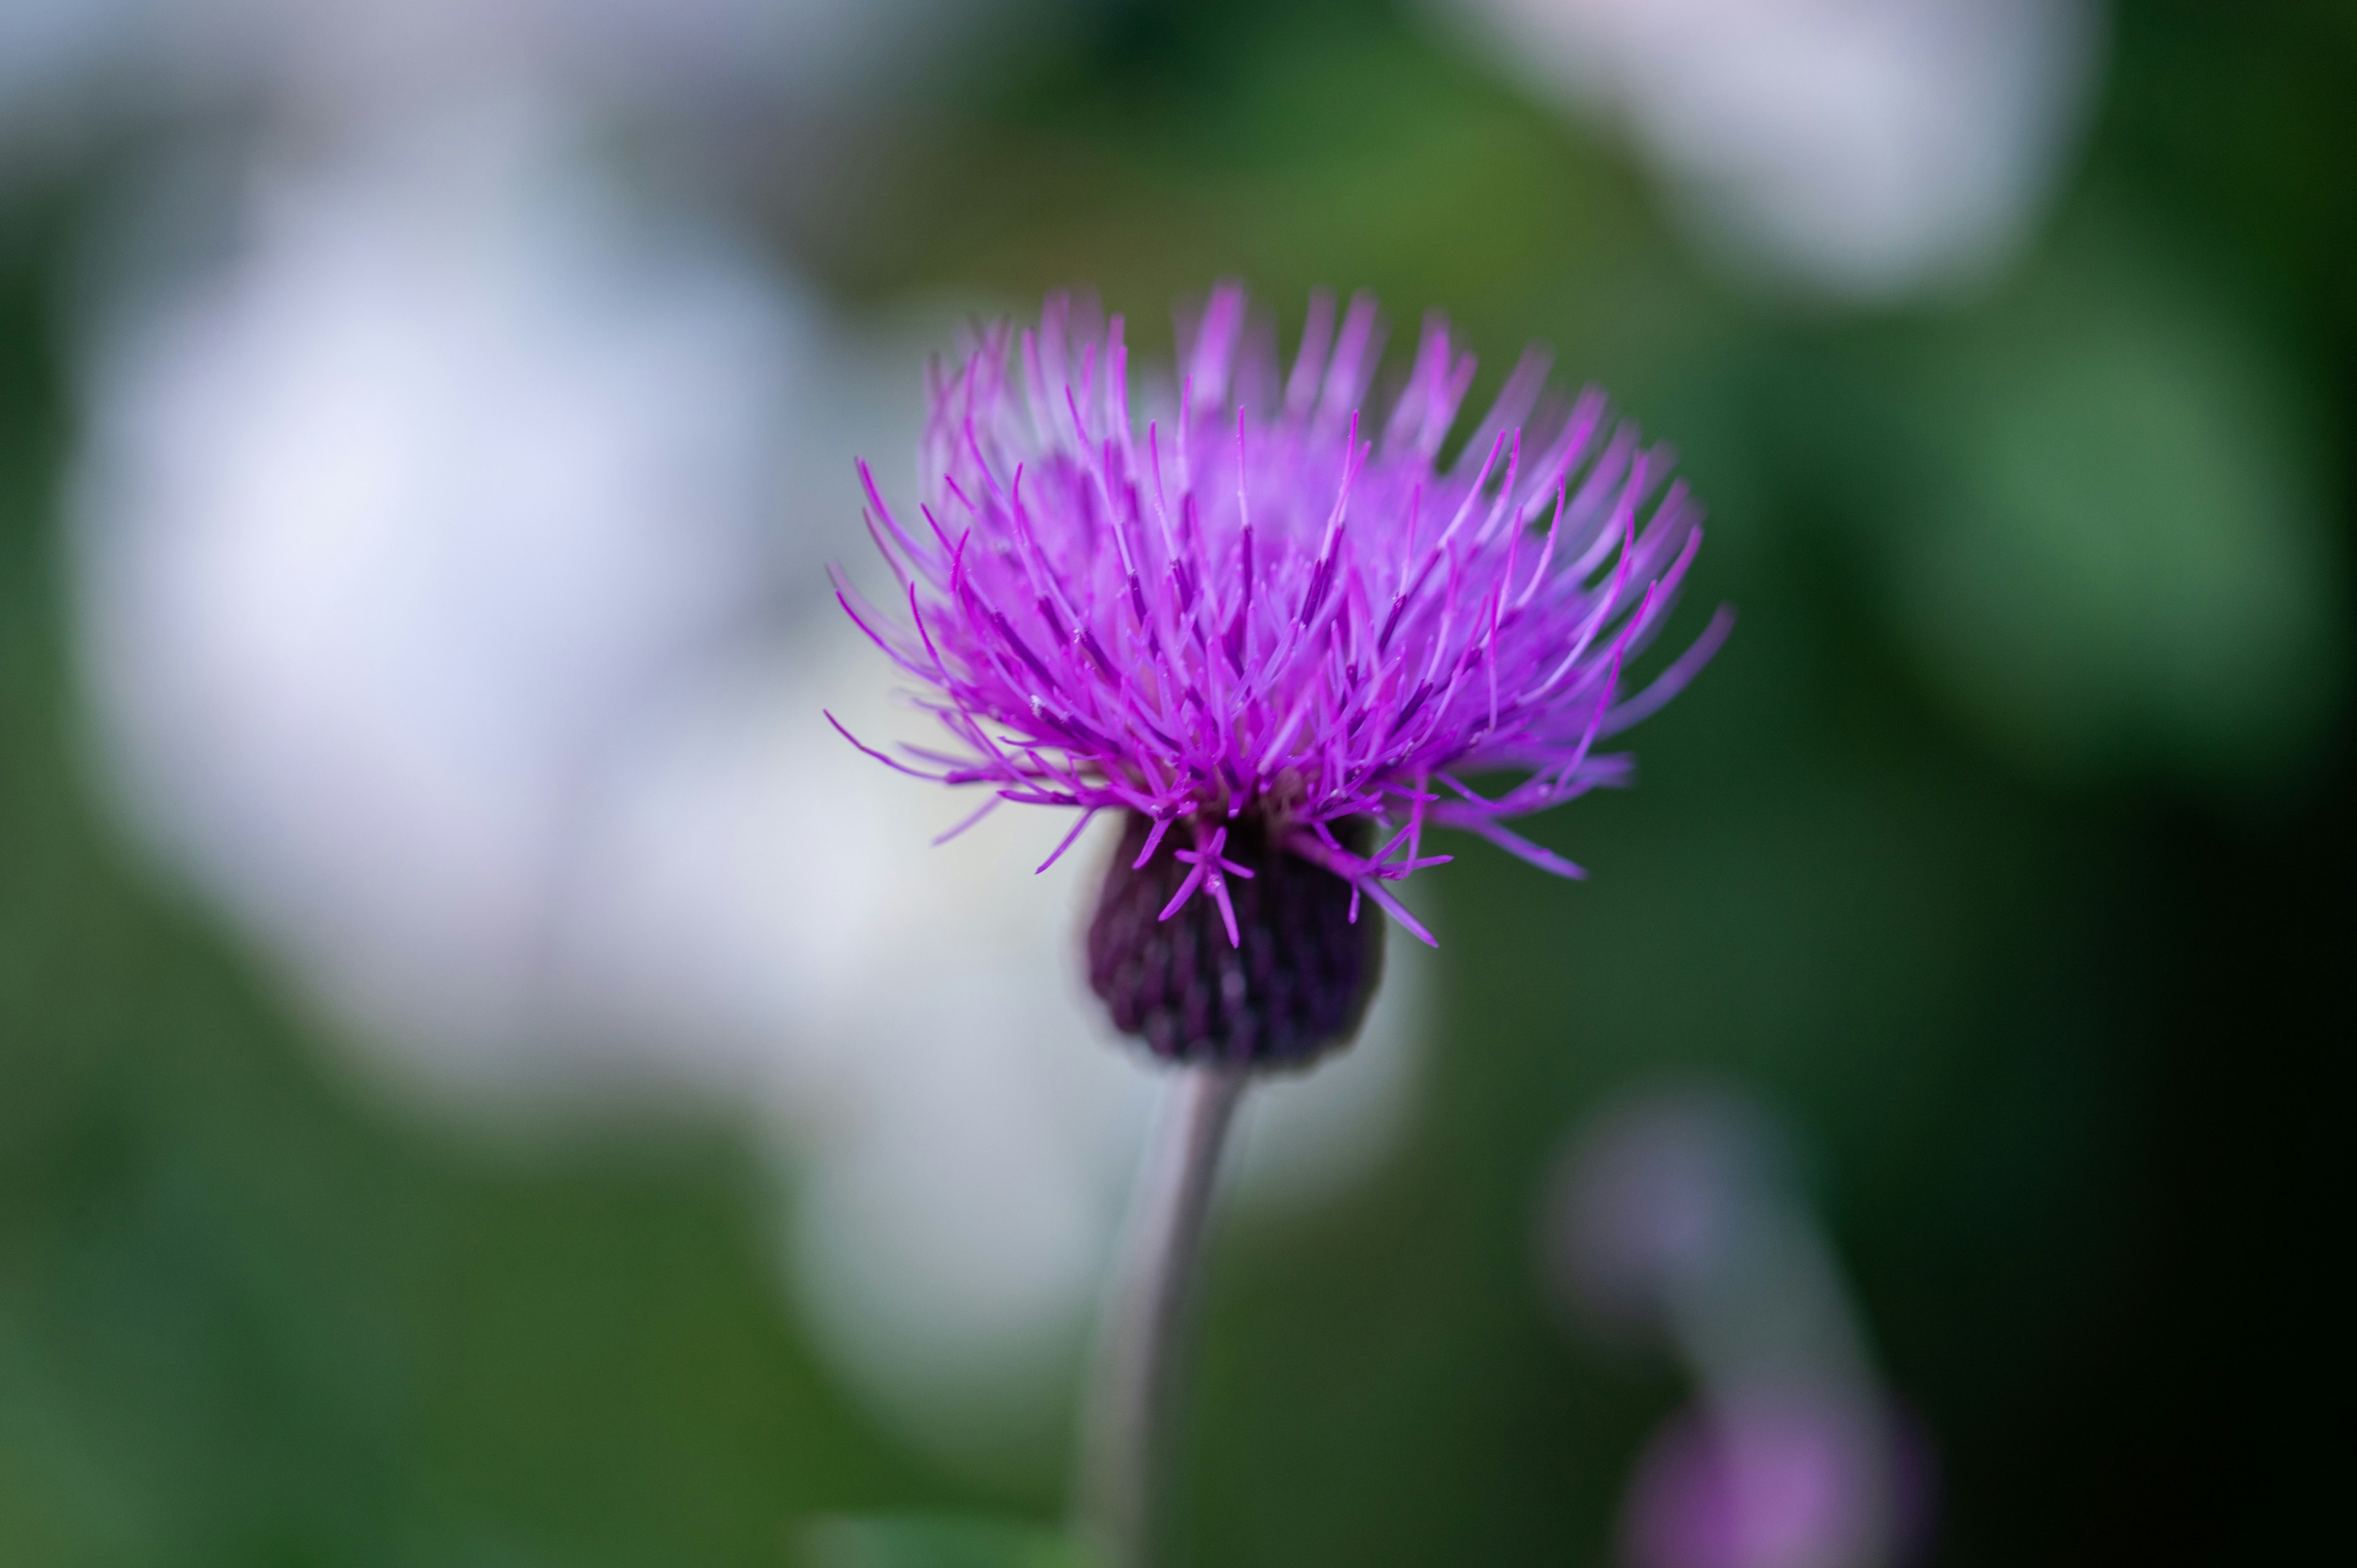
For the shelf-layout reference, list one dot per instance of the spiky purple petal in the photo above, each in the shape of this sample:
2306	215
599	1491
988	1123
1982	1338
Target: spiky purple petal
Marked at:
1246	608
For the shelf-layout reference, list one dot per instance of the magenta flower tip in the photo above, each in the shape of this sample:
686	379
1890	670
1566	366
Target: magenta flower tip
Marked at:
1303	619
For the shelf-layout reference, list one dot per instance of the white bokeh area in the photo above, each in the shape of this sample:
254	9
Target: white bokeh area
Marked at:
1867	150
447	555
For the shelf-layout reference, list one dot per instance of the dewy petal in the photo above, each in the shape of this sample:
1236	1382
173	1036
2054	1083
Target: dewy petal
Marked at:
1237	611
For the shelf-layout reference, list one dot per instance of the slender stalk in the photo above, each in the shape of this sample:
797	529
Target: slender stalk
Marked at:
1130	1417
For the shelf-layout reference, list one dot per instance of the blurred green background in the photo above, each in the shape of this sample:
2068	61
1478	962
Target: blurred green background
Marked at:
2007	847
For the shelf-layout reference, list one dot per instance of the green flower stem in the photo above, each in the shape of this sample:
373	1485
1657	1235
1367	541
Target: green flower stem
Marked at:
1131	1418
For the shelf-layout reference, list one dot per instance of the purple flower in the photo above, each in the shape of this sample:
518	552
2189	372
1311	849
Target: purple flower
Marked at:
1778	1472
1262	615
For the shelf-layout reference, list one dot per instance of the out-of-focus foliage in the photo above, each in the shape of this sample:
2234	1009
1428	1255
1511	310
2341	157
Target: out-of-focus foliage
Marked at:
2007	847
939	1542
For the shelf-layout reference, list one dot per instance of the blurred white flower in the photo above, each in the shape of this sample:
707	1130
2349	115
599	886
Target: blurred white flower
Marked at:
54	55
446	565
70	67
394	520
694	56
1870	148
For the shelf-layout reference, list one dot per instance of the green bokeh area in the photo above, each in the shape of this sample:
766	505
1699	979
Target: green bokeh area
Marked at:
2008	848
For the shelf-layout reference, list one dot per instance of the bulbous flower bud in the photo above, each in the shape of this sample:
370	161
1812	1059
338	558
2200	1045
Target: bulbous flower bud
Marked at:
1274	968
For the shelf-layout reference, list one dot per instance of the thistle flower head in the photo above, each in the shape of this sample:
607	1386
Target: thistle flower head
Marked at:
1260	606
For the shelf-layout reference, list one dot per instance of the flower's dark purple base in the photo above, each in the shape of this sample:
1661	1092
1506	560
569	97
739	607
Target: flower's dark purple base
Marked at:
1296	986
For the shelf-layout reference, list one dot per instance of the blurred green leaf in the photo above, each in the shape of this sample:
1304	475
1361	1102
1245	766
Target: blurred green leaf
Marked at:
908	1541
2112	551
